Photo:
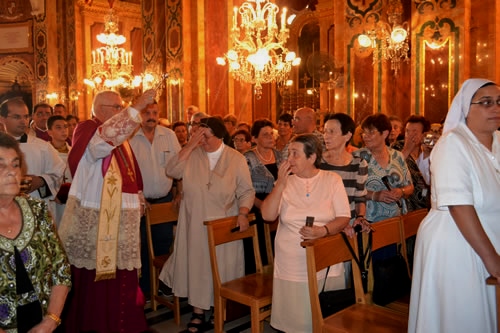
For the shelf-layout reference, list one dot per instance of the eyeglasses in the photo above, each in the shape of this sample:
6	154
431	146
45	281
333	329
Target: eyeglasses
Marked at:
117	107
195	124
42	114
18	117
369	132
487	103
239	140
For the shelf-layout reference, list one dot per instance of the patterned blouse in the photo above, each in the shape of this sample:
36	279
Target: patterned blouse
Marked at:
43	256
420	197
399	176
262	179
354	176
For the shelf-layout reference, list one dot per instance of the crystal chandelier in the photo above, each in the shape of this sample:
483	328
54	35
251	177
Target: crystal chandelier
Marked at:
258	54
393	37
112	65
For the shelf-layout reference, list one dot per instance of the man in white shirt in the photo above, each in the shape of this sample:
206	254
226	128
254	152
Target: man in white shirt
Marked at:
153	147
43	163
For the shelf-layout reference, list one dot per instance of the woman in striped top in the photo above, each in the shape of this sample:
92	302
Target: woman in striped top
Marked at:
339	128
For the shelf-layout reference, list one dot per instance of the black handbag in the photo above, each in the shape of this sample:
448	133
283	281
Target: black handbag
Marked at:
30	314
332	301
390	280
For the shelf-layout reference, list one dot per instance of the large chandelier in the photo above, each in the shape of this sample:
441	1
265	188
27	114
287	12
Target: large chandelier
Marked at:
392	35
258	54
112	65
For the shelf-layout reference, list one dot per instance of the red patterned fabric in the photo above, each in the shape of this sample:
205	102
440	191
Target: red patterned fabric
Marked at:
112	306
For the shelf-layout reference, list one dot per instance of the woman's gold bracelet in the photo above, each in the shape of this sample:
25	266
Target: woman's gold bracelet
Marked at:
54	318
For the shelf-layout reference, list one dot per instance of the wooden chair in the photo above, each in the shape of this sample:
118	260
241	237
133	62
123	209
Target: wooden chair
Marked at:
158	214
254	290
493	281
270	228
387	232
409	227
361	317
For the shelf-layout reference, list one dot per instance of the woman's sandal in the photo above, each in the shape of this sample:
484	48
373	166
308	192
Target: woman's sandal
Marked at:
196	323
210	323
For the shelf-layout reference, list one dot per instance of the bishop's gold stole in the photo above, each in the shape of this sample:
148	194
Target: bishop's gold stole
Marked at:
109	221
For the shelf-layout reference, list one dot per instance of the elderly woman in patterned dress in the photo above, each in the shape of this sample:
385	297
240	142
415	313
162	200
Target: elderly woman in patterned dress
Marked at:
35	276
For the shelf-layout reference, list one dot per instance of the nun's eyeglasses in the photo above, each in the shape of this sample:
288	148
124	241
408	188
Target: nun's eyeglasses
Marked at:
487	103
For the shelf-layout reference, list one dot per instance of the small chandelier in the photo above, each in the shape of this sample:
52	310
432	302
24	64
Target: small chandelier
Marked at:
393	37
112	65
258	54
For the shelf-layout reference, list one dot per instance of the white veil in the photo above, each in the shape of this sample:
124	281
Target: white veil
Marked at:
459	108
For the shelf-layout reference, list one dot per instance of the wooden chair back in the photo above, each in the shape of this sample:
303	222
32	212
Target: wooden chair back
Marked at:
320	255
409	227
269	229
253	290
386	232
159	214
493	282
357	318
411	221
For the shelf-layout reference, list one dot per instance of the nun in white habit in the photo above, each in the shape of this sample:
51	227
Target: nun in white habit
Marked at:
458	242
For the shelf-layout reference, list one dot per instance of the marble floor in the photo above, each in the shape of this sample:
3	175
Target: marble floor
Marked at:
161	321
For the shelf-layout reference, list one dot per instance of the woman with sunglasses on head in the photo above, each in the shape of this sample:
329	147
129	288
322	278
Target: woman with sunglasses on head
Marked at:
458	242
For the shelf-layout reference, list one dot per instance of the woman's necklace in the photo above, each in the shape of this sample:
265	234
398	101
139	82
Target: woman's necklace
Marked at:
280	143
10	226
262	158
308	184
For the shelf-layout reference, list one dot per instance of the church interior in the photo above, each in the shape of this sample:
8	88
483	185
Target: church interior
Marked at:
359	57
348	60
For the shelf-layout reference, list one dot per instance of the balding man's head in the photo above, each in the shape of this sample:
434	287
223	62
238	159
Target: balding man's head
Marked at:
304	121
106	104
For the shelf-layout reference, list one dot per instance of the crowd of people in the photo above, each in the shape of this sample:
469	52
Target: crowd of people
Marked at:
73	197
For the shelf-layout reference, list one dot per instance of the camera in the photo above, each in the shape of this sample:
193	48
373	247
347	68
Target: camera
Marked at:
429	140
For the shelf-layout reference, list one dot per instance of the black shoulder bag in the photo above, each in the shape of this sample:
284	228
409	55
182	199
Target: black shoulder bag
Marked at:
390	279
332	301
